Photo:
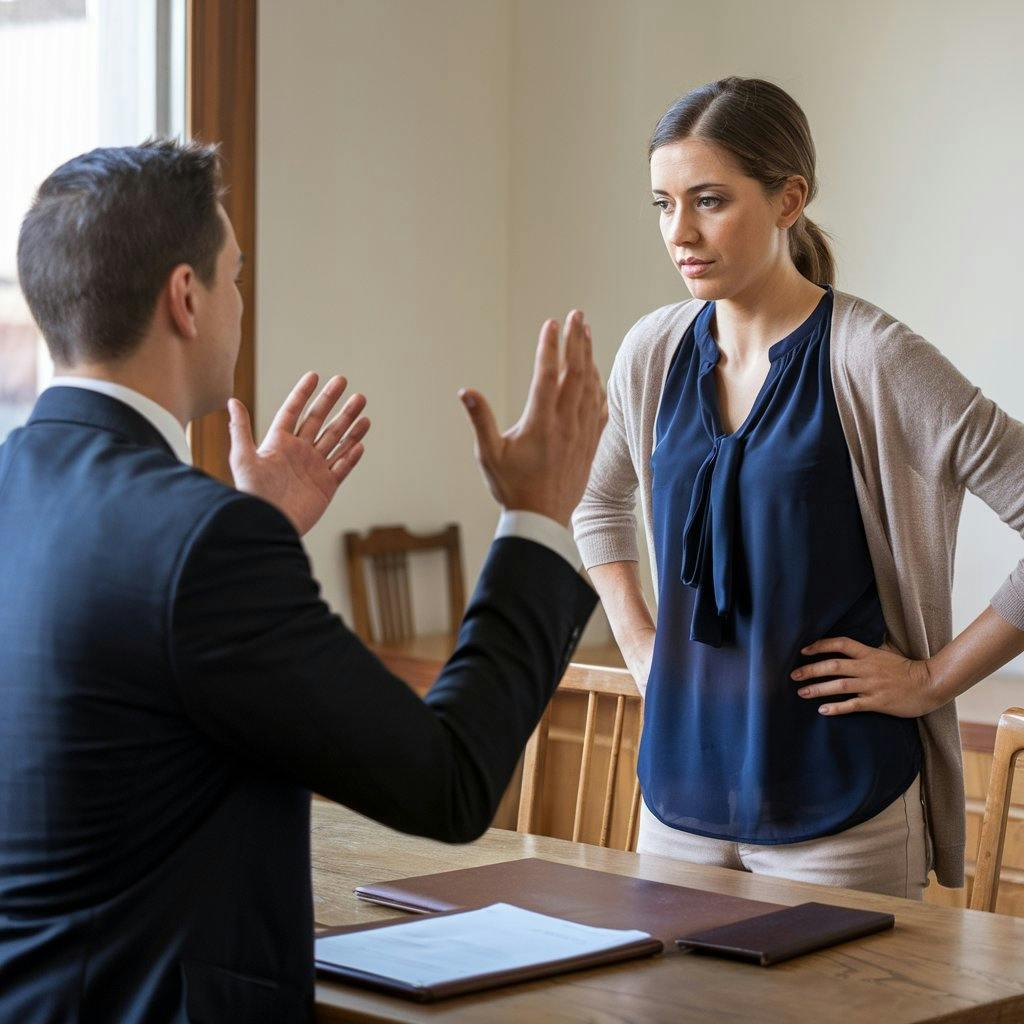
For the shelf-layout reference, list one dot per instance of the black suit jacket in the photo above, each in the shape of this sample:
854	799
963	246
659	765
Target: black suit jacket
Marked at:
172	687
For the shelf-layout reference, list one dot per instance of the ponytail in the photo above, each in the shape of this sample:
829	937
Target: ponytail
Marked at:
811	252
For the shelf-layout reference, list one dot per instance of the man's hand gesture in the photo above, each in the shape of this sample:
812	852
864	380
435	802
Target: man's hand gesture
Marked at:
301	463
543	462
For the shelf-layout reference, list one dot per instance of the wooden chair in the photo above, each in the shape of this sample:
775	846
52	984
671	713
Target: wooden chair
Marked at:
595	790
385	551
1008	746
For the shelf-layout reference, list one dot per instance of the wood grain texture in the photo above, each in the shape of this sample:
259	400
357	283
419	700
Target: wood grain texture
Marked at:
590	734
1009	744
978	736
221	108
939	964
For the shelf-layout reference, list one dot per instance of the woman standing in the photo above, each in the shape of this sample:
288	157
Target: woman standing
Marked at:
801	459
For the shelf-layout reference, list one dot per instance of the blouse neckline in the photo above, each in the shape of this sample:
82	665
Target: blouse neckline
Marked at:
710	352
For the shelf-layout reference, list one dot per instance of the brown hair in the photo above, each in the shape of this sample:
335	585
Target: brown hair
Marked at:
765	130
103	233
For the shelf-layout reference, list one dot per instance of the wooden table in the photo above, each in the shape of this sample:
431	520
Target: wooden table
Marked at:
939	964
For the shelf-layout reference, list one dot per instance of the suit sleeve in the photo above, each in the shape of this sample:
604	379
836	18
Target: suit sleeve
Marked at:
272	676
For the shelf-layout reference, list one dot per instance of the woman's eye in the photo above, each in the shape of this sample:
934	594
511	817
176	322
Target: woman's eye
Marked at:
661	204
708	202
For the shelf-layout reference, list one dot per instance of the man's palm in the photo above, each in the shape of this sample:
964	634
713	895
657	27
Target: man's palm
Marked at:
300	464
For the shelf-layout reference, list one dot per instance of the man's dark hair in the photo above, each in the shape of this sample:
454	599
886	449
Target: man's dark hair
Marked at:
104	232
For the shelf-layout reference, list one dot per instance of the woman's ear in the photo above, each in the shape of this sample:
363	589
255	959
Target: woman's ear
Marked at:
792	199
181	300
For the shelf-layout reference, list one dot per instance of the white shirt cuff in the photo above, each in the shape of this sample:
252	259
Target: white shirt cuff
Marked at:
533	526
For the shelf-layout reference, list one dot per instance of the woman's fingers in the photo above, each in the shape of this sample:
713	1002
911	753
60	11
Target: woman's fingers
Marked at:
832	688
830	667
837	645
846	707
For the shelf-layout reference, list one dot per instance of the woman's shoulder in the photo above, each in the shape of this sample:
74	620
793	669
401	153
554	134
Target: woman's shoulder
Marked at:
870	344
857	315
857	320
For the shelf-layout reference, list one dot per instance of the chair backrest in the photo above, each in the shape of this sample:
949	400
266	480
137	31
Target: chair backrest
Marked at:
384	552
1008	746
607	789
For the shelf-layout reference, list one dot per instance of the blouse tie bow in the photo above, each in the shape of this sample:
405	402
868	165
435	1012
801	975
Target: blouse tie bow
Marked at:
708	539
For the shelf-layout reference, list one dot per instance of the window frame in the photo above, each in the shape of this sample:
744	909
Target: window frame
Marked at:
220	107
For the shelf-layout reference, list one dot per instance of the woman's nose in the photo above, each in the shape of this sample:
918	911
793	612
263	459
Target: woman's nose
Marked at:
682	229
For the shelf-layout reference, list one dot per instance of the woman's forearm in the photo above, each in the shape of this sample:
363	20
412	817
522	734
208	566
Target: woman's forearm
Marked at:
984	647
618	586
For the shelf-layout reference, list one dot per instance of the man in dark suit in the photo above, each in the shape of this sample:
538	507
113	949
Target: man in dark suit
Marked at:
171	684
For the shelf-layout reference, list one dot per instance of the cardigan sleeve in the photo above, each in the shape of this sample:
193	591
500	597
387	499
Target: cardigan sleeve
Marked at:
979	446
604	523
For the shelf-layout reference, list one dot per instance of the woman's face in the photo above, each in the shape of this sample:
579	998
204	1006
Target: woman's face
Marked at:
723	232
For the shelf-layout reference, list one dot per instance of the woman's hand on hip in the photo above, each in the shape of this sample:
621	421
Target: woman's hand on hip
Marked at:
868	679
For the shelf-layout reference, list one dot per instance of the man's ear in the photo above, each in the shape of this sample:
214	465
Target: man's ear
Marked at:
181	300
792	200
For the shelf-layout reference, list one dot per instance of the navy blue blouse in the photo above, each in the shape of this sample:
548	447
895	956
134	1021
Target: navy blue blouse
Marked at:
761	550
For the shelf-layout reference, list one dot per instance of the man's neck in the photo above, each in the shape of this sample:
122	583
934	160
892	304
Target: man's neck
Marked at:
164	391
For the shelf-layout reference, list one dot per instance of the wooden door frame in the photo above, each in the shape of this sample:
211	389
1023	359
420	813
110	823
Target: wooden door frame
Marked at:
221	107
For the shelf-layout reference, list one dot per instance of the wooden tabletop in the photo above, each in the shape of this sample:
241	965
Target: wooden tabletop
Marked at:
942	964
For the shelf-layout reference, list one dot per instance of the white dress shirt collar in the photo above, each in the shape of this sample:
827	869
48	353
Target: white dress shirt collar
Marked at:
155	414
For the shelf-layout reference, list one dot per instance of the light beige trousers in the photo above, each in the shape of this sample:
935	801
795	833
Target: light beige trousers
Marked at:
887	854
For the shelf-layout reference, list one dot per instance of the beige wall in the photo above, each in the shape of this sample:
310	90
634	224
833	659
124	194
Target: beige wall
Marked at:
383	250
436	178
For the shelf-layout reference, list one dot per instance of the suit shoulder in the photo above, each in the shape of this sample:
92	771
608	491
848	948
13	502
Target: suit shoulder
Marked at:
203	511
238	545
230	514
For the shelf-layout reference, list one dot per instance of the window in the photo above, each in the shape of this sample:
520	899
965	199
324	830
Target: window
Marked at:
74	74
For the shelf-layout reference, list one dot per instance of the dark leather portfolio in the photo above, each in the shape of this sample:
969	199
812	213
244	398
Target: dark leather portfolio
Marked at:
784	934
578	894
479	982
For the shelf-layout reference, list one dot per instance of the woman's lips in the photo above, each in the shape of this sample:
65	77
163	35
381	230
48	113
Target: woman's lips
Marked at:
695	269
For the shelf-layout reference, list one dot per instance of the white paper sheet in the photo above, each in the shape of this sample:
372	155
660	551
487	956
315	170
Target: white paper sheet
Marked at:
500	937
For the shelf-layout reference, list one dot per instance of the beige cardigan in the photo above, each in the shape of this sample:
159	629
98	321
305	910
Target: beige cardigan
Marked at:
919	434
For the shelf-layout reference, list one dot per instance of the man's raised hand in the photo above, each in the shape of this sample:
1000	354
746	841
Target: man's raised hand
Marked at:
542	463
301	462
